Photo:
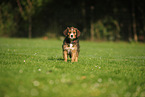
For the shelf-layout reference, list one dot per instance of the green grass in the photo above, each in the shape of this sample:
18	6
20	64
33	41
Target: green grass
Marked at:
36	68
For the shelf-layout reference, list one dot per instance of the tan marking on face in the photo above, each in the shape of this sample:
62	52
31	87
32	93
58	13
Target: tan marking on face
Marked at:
72	33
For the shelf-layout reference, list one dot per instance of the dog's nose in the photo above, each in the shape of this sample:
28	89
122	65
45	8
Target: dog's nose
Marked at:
71	35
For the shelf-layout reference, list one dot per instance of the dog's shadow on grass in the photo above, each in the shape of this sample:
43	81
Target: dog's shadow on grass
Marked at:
55	58
58	59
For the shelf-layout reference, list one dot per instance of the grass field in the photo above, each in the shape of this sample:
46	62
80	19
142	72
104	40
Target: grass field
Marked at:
36	68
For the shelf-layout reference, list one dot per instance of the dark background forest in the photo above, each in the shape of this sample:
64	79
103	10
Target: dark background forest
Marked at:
103	20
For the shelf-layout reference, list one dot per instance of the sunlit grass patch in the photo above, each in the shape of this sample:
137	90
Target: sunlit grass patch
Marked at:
36	68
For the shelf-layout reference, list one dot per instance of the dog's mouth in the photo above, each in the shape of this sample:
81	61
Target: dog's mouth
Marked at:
71	37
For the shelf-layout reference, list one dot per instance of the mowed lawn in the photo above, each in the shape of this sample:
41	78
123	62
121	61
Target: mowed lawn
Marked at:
35	68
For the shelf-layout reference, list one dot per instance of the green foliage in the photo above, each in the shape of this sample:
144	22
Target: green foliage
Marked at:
30	7
7	21
26	9
40	3
111	20
107	28
100	30
36	68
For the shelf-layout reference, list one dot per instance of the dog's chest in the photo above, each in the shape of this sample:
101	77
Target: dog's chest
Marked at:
70	48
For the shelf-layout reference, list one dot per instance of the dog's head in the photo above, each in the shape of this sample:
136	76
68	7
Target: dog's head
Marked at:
72	33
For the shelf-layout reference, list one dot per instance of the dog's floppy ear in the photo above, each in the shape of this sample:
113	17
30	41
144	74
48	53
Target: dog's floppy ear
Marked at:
78	32
65	31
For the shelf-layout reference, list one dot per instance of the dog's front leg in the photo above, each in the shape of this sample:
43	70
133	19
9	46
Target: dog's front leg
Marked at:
65	56
73	56
76	58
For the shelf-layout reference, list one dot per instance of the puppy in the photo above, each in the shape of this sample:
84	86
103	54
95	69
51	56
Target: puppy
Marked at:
71	45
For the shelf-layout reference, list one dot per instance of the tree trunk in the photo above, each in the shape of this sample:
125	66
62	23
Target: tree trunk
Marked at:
92	24
92	30
30	27
20	7
129	31
134	22
84	19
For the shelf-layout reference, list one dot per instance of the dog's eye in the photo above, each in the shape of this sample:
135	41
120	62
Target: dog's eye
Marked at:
69	32
73	32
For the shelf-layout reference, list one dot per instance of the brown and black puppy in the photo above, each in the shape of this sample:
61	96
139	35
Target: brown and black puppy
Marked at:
71	45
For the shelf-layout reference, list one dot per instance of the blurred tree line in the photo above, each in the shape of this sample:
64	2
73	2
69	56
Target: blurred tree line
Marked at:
97	19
